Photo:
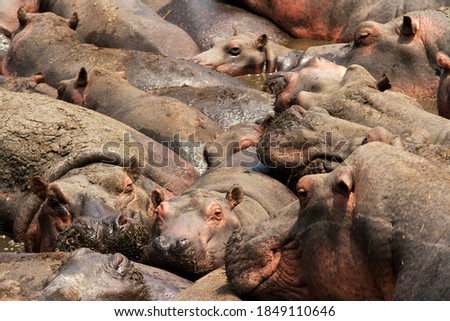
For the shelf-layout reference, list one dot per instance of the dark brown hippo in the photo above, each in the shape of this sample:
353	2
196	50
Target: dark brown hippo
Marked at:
246	53
126	25
363	232
190	230
83	275
48	33
164	119
443	97
205	20
8	13
79	156
361	99
332	20
226	105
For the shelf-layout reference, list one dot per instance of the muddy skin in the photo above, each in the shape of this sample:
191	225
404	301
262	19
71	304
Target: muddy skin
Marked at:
191	230
363	233
83	275
46	32
331	20
33	84
206	20
125	25
166	120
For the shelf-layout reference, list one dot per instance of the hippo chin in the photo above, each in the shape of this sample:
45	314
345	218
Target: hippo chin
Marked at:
375	228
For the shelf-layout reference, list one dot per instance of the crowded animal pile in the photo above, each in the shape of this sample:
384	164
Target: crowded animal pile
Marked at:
190	150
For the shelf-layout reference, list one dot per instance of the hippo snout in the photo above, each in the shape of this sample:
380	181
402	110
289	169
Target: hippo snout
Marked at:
170	244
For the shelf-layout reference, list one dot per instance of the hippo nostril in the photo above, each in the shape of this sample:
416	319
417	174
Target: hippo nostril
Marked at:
161	243
181	244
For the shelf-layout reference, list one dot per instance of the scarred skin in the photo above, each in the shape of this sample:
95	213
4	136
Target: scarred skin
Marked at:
244	53
363	232
332	20
443	101
205	20
83	275
47	33
163	119
70	148
126	25
190	231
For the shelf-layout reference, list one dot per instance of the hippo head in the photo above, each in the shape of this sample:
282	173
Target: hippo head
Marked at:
91	276
190	231
241	54
95	191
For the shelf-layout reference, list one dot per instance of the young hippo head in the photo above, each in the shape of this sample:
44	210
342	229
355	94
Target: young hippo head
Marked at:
190	231
95	191
245	53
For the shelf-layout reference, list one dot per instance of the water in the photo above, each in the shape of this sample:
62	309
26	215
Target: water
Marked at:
8	245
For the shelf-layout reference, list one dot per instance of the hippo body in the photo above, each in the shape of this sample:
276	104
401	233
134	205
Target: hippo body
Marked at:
332	20
206	20
443	97
46	32
80	156
164	119
83	275
190	230
125	25
363	232
226	105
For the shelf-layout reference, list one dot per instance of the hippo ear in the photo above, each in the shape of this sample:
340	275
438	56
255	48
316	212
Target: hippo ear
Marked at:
443	60
38	186
343	184
73	21
157	197
409	26
82	79
134	170
38	78
235	195
384	83
261	41
22	16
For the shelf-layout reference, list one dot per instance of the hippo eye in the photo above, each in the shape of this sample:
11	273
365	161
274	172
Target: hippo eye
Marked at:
128	189
362	37
217	214
234	51
302	194
52	202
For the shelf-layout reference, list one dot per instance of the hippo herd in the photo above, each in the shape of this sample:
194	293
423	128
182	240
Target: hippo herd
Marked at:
136	163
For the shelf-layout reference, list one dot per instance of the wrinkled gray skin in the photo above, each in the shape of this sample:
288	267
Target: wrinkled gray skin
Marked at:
52	139
166	120
83	275
205	20
374	229
226	105
125	25
359	99
45	43
190	231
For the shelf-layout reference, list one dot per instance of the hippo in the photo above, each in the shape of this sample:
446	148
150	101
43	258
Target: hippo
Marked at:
48	33
73	161
206	20
247	53
361	99
362	233
126	25
190	230
84	275
332	20
164	119
443	103
33	84
8	13
226	105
